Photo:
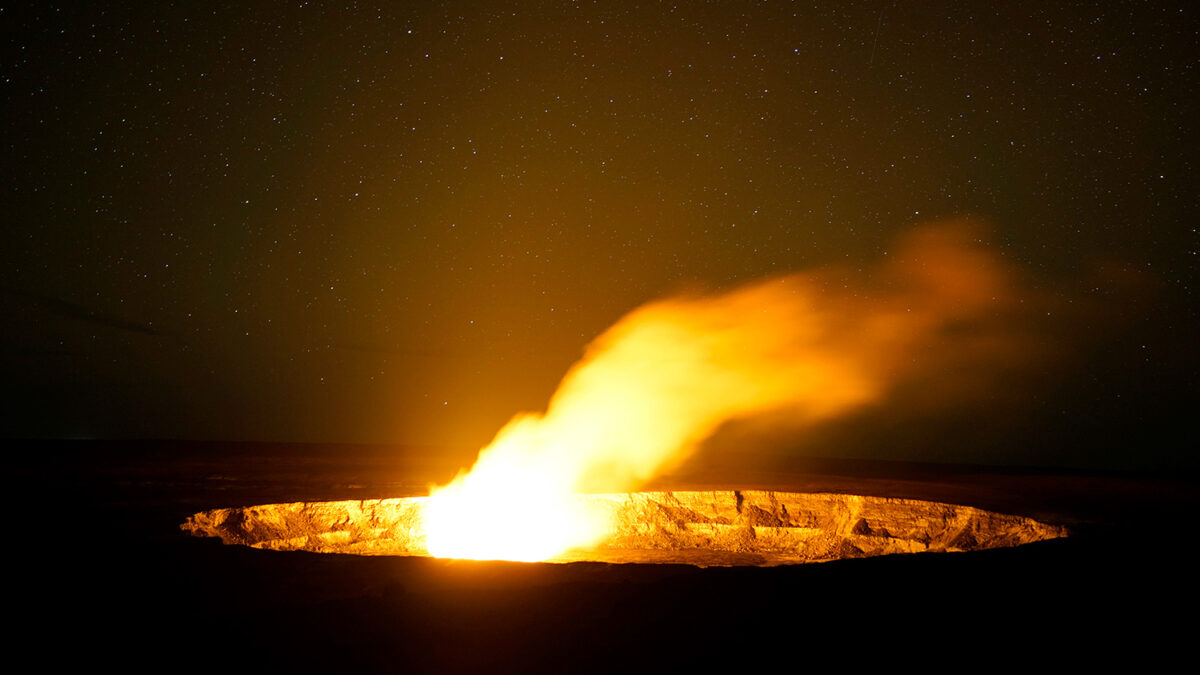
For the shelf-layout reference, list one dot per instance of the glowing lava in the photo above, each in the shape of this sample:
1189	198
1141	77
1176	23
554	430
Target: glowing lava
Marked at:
666	376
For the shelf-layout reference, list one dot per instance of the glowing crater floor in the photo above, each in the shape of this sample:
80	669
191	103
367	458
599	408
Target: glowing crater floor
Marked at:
709	528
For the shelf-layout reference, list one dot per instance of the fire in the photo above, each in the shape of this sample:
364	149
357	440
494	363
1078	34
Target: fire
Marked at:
667	375
481	516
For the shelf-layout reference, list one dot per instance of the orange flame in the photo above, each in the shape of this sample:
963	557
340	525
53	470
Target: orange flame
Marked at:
667	375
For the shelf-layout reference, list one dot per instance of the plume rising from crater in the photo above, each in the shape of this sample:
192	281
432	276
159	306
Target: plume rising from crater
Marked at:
812	345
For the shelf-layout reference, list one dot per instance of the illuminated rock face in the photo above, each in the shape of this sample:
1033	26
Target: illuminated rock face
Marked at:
368	527
704	528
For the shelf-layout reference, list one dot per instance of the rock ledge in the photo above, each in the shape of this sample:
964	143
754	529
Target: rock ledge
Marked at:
727	527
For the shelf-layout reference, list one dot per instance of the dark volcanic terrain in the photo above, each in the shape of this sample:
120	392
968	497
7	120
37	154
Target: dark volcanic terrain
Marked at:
104	576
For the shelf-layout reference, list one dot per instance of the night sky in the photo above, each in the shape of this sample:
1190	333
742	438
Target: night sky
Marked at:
402	223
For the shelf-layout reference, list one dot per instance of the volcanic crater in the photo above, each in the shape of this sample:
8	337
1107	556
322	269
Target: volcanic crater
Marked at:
705	528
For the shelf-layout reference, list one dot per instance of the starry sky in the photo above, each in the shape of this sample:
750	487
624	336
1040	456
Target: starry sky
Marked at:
402	222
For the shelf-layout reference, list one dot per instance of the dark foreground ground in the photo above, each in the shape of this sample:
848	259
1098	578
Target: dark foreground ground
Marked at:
101	576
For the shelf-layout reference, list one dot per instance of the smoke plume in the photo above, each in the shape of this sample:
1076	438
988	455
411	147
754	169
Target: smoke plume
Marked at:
813	345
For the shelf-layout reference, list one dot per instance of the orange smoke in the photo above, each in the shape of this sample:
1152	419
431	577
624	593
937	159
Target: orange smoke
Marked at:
666	376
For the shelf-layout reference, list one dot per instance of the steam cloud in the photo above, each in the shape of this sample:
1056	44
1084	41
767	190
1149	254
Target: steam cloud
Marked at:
815	345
